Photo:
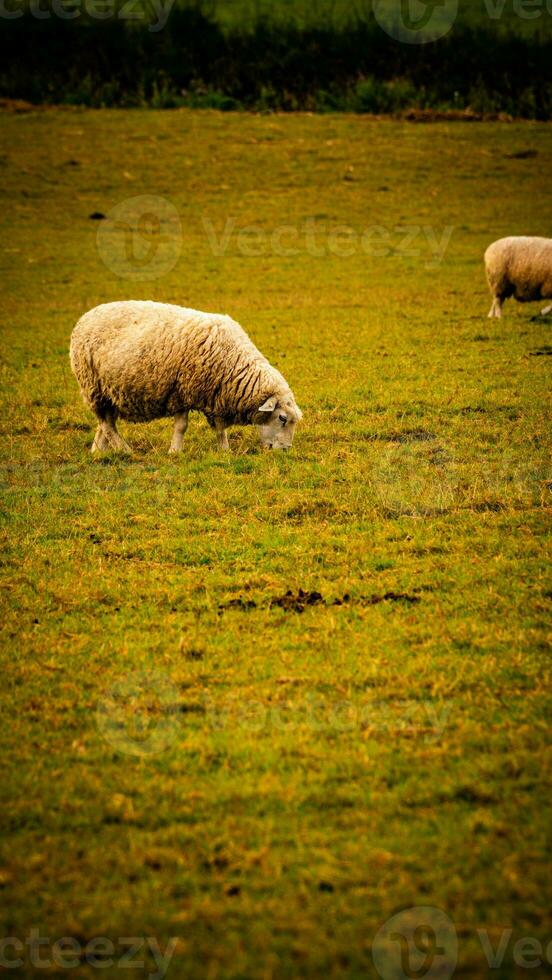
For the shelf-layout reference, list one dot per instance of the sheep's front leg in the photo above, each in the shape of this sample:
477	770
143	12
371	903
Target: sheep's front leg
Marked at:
496	308
547	310
180	426
222	437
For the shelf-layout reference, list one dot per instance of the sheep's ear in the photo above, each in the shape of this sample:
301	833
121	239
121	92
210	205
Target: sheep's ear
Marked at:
269	405
299	413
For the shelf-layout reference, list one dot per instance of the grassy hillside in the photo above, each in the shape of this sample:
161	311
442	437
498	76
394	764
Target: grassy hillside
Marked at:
182	756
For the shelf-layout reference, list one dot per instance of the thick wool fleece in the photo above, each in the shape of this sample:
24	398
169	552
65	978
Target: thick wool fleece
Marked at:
520	267
149	360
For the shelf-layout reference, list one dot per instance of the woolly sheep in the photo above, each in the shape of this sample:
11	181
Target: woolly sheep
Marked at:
142	360
519	267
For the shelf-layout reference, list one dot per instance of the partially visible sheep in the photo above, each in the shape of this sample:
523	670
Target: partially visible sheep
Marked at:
142	360
519	267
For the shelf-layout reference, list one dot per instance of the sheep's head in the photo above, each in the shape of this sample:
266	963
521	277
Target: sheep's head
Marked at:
276	420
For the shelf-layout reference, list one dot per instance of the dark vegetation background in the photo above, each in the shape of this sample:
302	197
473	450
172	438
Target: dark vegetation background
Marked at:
277	57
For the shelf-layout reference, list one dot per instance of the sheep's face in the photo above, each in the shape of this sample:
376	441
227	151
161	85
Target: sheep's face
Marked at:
276	420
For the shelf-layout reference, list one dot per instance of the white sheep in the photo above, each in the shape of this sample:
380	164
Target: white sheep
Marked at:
141	360
520	267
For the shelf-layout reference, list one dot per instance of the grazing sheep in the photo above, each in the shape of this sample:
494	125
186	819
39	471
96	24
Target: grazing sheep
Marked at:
142	360
519	267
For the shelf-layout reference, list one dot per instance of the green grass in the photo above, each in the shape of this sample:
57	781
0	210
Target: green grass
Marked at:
322	770
339	13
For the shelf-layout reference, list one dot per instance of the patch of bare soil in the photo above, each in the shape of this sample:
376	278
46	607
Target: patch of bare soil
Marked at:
453	115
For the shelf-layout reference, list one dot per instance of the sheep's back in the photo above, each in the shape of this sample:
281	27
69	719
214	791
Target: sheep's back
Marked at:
153	359
522	265
531	267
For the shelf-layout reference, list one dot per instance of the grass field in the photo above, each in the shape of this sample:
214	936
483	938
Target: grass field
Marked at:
501	16
263	784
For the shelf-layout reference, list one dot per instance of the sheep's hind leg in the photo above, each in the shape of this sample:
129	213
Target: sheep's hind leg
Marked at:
496	308
222	437
114	439
547	310
180	426
101	442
